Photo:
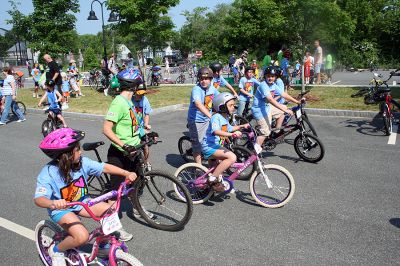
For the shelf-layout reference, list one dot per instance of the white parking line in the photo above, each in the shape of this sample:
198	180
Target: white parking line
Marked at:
335	82
393	135
16	228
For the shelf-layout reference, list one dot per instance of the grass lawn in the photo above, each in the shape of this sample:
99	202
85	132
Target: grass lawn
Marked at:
96	103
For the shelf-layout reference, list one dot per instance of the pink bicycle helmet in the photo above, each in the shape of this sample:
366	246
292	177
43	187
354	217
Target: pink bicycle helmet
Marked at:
60	141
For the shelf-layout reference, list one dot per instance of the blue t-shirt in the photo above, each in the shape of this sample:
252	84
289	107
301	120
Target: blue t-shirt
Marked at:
218	122
218	82
36	74
65	86
205	97
284	66
260	106
51	185
248	85
278	90
52	99
142	108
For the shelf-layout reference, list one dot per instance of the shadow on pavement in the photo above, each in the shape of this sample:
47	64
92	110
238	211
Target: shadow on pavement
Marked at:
174	160
372	127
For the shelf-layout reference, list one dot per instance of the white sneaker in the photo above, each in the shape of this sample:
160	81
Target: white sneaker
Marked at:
137	214
57	258
2	124
123	235
21	120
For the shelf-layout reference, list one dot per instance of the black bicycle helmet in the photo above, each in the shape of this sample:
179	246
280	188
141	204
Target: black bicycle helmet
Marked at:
205	72
215	67
129	79
279	71
271	70
248	68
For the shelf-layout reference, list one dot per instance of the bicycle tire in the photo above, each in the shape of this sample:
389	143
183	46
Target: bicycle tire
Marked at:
21	107
94	84
185	149
187	173
242	155
307	126
96	186
304	143
146	200
121	256
47	127
359	93
280	195
387	120
43	242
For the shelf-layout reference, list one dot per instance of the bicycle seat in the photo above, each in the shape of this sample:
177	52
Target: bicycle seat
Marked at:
383	90
89	146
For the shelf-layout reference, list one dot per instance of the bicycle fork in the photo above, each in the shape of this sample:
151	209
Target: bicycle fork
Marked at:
266	179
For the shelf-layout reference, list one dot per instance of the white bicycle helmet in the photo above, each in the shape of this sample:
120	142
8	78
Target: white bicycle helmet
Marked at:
219	102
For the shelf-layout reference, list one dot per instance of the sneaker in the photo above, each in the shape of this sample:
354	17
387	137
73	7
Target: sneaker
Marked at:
21	120
148	167
1	123
137	215
123	235
218	187
57	258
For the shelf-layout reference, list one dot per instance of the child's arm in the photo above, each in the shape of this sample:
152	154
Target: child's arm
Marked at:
42	99
227	134
202	108
59	97
281	107
114	170
232	89
146	122
44	202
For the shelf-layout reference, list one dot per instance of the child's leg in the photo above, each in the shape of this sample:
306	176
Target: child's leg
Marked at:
59	116
77	233
265	129
226	157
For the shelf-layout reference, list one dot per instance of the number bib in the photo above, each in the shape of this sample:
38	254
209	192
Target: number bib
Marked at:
111	223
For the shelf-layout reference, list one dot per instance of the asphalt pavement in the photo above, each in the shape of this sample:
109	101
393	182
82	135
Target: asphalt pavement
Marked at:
344	210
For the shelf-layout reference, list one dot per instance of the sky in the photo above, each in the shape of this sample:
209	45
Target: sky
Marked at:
84	26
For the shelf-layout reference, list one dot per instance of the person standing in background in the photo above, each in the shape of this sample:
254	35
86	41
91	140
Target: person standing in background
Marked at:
36	77
53	72
317	61
329	67
166	70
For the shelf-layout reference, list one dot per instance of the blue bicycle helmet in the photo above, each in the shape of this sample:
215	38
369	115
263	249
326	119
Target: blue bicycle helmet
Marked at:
129	79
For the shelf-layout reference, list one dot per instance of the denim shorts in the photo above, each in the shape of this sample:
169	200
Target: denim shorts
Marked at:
317	68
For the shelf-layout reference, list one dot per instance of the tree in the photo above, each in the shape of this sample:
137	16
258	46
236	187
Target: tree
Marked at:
144	21
52	26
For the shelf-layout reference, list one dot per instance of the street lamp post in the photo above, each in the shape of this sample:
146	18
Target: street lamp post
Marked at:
112	18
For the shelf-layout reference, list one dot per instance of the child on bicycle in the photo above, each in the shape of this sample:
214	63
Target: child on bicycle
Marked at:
281	96
143	111
218	80
53	97
64	180
261	109
247	84
199	113
218	130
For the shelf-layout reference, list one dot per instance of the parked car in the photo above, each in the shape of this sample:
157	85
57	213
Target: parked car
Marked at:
174	60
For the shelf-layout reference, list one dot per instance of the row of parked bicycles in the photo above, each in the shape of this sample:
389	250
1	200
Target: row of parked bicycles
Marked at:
379	92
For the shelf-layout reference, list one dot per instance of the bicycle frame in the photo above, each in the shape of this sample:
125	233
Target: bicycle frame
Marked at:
97	234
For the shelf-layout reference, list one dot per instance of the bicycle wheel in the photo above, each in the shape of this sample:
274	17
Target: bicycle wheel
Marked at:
155	195
21	107
185	149
96	186
46	233
47	127
274	192
179	80
387	120
189	172
94	83
307	126
123	258
359	93
242	155
309	147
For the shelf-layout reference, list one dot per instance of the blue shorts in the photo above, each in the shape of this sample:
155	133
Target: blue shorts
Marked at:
56	111
235	71
317	68
209	151
57	217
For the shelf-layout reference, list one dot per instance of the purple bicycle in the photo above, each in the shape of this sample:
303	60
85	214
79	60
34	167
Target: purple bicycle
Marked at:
47	232
271	185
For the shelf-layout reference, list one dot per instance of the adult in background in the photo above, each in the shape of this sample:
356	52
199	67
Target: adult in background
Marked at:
285	69
266	61
36	74
231	61
317	61
53	72
9	93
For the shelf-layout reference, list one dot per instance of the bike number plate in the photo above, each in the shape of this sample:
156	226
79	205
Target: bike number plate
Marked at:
111	223
257	148
298	113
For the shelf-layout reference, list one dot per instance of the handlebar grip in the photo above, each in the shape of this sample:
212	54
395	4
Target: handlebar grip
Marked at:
234	136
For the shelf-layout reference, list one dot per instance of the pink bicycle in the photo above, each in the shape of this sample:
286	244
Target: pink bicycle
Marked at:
271	185
107	248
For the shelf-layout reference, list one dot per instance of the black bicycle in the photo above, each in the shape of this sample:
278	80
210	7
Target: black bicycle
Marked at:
306	143
51	123
20	105
153	197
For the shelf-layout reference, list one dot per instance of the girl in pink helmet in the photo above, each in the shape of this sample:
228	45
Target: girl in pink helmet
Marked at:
64	180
